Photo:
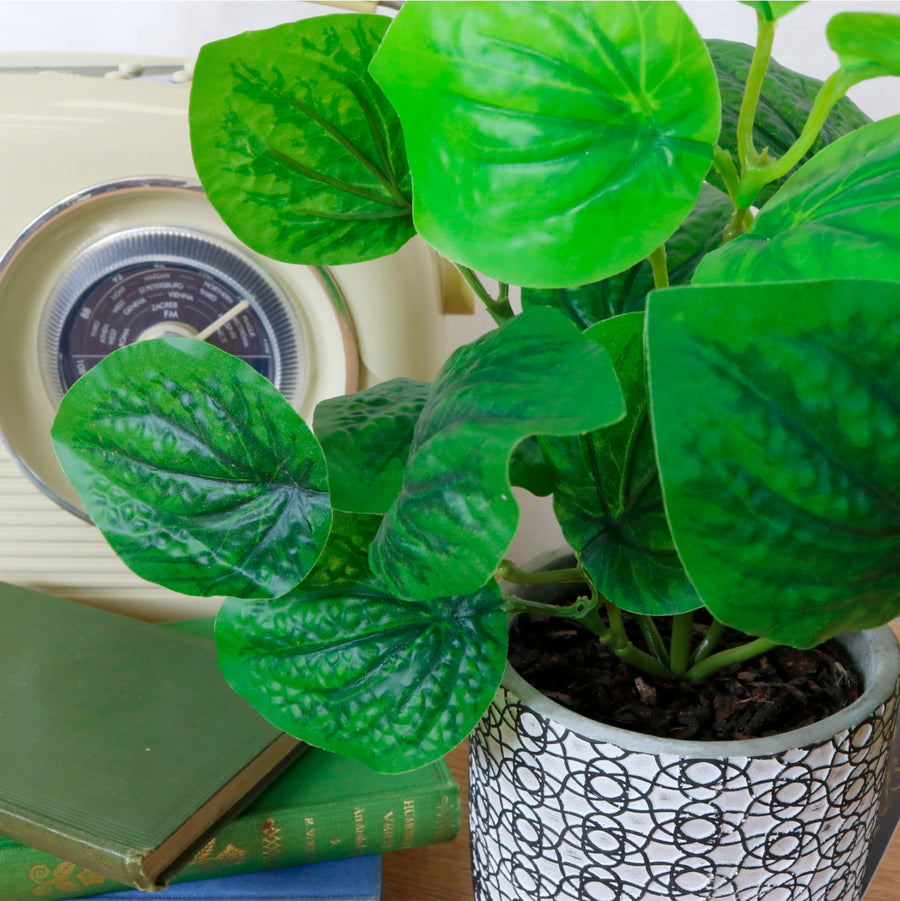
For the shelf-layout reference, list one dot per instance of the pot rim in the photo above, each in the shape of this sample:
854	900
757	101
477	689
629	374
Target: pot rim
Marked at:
875	651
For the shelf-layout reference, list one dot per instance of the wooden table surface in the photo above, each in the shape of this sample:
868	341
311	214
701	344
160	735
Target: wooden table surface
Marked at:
444	872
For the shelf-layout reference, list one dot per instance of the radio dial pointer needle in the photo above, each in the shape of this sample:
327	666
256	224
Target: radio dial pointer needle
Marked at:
213	327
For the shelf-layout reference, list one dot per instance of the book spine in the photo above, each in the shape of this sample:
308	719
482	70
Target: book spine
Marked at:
259	841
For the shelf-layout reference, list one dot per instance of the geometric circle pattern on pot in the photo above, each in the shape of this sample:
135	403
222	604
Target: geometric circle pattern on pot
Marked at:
559	815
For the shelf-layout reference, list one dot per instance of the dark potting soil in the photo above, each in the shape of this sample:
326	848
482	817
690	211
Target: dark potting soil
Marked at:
780	690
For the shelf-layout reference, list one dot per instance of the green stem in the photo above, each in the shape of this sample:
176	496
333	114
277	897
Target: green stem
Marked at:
680	645
509	572
831	91
585	611
711	664
755	176
724	165
655	644
737	226
580	609
709	642
499	307
658	265
617	624
762	53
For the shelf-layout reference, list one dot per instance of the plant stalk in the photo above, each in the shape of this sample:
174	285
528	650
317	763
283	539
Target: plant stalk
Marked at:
498	307
659	267
747	154
509	572
709	642
711	664
755	176
652	638
680	645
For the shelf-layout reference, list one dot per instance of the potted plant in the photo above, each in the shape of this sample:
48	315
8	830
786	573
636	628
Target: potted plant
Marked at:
712	407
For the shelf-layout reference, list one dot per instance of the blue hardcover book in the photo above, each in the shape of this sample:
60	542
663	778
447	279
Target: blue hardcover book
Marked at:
354	879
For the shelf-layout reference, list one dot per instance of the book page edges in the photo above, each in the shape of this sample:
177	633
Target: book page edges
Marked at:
151	869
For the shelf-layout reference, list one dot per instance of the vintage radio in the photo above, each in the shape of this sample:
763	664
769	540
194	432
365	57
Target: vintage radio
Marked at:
106	237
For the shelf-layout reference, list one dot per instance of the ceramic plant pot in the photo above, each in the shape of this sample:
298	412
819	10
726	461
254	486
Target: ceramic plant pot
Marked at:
562	807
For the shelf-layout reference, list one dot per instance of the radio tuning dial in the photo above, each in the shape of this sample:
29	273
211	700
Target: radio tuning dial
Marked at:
157	282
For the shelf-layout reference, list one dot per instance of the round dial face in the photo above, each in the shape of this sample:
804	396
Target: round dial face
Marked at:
155	300
160	282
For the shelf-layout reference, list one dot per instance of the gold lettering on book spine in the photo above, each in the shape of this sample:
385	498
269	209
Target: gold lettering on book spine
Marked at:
409	823
229	856
360	839
271	841
64	877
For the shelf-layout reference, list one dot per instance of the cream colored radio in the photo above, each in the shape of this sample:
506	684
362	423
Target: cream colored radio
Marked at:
106	237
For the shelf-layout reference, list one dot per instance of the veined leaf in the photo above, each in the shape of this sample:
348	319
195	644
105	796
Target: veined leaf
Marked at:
836	217
198	472
366	438
608	497
347	667
627	292
866	40
778	438
784	106
296	146
456	516
540	134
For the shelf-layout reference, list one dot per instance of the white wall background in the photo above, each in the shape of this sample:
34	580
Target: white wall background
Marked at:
178	28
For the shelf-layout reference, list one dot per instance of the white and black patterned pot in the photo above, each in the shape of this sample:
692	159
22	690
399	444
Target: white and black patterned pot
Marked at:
562	807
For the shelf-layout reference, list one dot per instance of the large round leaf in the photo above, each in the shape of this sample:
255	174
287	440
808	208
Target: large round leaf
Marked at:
366	438
608	498
297	147
551	144
837	217
456	515
198	472
627	291
778	438
349	668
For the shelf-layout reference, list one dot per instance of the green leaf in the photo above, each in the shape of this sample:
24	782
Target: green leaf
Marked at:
296	146
198	472
773	9
366	438
347	667
529	468
345	558
778	437
627	292
551	144
456	516
836	217
784	106
866	39
608	499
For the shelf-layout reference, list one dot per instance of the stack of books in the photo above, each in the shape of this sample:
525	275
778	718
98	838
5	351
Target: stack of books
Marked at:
127	761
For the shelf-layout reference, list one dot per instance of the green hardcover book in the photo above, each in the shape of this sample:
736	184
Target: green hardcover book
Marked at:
324	807
122	749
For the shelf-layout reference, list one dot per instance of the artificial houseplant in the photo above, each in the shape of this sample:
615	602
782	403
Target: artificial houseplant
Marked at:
713	406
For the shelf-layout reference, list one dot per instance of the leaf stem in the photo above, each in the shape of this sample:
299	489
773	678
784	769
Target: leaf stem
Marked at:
709	642
747	154
724	165
509	572
498	307
680	645
711	664
761	172
653	639
658	265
